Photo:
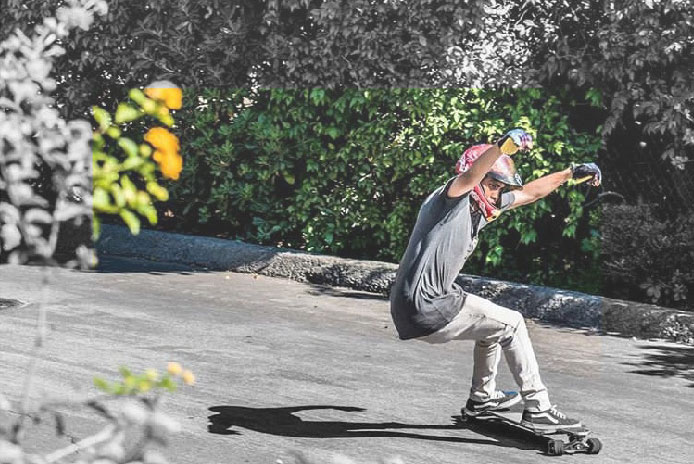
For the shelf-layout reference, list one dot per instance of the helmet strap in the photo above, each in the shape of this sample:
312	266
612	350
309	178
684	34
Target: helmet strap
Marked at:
490	211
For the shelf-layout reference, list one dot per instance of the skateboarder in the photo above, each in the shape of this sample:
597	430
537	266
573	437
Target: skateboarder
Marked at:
428	304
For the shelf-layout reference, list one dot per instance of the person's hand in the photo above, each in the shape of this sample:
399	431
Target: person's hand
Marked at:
514	140
586	171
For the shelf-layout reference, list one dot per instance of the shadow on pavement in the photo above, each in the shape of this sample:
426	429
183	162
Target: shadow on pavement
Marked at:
666	361
283	422
118	264
321	290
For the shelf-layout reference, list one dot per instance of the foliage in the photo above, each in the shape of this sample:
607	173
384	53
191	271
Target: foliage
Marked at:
646	258
293	43
133	384
632	57
45	182
34	139
124	170
135	427
345	172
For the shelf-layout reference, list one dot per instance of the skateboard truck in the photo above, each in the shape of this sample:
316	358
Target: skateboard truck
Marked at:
576	444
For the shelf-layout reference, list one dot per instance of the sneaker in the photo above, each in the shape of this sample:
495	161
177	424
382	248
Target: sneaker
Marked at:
501	400
548	421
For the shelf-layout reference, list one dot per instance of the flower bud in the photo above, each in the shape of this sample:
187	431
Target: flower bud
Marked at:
174	368
188	377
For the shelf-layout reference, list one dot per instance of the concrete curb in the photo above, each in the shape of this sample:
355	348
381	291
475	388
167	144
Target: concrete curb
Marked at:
547	304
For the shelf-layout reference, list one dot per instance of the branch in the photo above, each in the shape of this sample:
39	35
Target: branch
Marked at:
38	345
88	442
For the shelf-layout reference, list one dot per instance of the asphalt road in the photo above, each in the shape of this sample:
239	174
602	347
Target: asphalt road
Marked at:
284	367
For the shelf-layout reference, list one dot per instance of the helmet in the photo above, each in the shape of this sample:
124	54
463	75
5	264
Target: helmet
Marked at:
503	170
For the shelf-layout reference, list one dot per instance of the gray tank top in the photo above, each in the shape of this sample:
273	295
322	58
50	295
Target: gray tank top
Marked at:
425	296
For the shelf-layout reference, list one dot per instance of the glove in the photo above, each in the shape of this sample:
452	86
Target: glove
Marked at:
586	171
514	140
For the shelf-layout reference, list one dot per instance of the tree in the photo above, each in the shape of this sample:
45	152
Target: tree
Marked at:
243	43
632	57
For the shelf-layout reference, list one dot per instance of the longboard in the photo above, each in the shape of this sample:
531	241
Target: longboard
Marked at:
578	441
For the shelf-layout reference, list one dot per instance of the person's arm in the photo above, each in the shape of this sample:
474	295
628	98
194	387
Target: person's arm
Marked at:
540	188
510	143
467	180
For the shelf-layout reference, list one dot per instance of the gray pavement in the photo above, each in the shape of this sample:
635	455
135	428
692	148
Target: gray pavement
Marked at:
544	303
283	366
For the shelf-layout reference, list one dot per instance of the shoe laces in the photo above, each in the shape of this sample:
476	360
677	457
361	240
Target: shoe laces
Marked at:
553	410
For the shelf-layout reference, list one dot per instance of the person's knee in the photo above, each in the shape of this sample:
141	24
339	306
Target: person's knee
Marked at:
517	320
516	324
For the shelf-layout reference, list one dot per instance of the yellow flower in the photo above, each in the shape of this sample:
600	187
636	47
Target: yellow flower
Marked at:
188	378
144	386
174	368
171	164
167	93
166	151
151	374
162	139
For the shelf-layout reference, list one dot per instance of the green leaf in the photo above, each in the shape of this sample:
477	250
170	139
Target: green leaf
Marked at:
149	212
594	96
102	385
167	383
101	202
128	146
113	132
98	142
130	220
288	177
137	96
102	117
132	163
96	227
333	132
126	113
159	192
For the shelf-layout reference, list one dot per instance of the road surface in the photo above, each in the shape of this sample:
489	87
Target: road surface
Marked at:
284	367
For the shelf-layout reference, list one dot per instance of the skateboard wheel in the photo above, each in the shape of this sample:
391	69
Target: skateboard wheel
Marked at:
555	447
594	445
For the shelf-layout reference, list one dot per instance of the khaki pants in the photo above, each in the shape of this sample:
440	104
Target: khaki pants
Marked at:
495	328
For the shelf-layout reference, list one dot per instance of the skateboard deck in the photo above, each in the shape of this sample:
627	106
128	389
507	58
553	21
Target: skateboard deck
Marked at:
578	441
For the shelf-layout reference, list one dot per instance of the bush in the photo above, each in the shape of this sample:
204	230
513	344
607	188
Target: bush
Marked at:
45	184
345	172
647	258
124	166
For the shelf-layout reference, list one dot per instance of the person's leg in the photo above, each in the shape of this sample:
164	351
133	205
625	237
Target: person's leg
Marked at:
520	357
486	356
494	327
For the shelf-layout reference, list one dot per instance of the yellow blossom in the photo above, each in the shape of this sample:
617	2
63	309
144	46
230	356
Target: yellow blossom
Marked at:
171	164
166	151
170	96
151	374
188	378
162	139
174	368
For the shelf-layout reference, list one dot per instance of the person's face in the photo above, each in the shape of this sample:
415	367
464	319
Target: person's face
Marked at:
492	189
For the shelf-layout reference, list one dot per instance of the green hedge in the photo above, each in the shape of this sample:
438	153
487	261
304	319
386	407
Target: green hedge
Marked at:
344	172
647	257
